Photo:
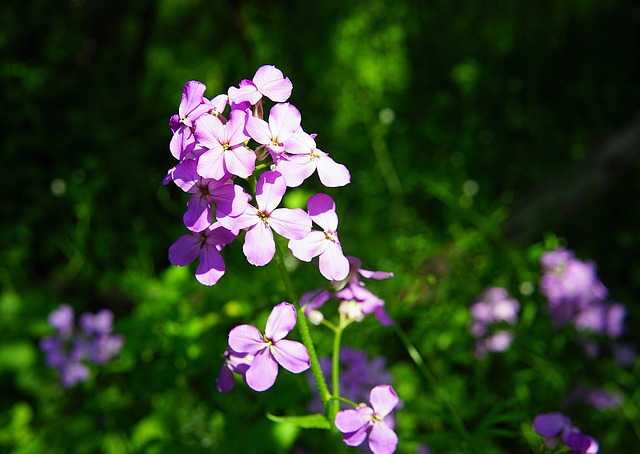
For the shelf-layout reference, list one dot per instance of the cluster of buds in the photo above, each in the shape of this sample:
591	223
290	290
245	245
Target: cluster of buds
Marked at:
69	348
494	308
216	151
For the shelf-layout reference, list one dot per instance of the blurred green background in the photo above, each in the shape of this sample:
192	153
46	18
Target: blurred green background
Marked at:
478	134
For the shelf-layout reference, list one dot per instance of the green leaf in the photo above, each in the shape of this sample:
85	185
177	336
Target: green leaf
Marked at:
316	421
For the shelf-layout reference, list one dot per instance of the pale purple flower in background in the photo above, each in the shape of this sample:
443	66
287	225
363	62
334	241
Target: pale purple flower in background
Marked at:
271	349
62	320
494	307
73	373
367	302
97	324
284	121
268	81
230	199
225	151
356	424
323	244
233	362
598	398
259	245
302	158
624	354
206	246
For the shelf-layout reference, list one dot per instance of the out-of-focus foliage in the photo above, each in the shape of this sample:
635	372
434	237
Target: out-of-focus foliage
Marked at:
448	114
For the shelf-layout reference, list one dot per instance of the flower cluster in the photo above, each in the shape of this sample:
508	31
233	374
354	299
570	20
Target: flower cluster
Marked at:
494	307
598	398
69	347
357	424
556	427
355	301
358	375
217	150
576	295
256	357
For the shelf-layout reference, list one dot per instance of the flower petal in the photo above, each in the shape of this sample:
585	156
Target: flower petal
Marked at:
272	83
225	381
322	210
239	161
263	371
383	399
199	214
281	321
295	169
184	250
211	164
259	246
291	355
291	223
269	190
382	440
211	267
353	419
310	246
332	174
550	424
245	339
284	121
258	130
333	264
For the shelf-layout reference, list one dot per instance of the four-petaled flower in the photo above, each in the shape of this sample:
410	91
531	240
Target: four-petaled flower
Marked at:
270	349
356	424
259	245
268	81
325	244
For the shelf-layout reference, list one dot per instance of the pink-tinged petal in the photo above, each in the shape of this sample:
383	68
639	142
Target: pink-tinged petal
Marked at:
281	321
300	143
291	223
295	169
332	174
169	176
353	419
272	83
291	355
217	104
246	339
211	267
382	440
310	246
245	220
284	120
230	200
184	250
269	190
258	130
332	262
185	175
199	214
263	371
191	97
246	93
259	246
383	399
322	210
210	132
211	164
356	438
219	236
240	161
234	129
182	142
314	300
375	274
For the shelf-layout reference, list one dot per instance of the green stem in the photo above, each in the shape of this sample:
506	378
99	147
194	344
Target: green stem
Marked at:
346	401
305	335
335	368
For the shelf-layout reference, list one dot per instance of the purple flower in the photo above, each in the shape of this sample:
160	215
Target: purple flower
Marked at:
230	199
356	424
233	362
191	107
207	246
598	398
259	246
302	158
268	81
325	245
284	120
100	323
494	306
582	444
271	349
225	151
556	427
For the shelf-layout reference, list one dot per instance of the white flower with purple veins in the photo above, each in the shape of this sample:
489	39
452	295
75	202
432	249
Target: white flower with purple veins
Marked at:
191	107
284	121
230	199
225	151
207	246
259	245
302	158
268	81
271	349
323	244
356	424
